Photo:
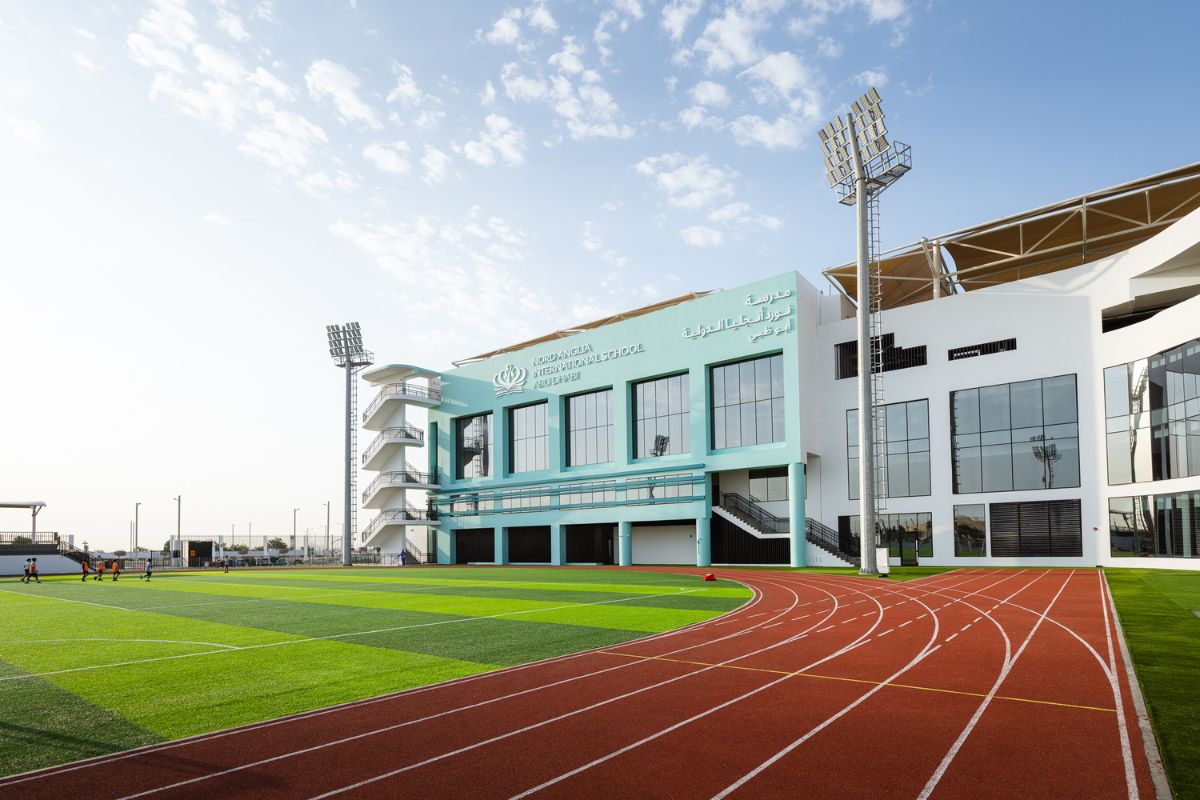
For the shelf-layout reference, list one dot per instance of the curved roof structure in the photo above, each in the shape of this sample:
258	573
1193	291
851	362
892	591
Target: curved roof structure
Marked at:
1048	239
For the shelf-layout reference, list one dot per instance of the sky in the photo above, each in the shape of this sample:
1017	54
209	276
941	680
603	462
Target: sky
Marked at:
191	191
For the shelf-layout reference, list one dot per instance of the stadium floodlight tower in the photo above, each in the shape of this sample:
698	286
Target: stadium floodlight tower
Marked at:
346	349
861	163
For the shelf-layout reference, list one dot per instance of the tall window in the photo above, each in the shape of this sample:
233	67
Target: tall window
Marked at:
661	417
1046	529
747	403
527	442
970	531
473	441
589	428
768	485
1162	525
911	532
904	430
1016	436
1152	408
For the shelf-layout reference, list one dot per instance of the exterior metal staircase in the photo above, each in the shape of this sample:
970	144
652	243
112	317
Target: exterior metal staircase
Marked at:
757	521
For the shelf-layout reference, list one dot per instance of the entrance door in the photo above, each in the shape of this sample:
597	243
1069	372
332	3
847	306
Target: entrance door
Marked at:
908	549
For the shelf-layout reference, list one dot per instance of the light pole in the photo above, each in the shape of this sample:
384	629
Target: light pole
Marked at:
860	164
346	349
178	523
327	506
136	507
294	510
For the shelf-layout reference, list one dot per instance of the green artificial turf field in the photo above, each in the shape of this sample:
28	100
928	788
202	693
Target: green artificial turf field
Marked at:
1158	614
91	668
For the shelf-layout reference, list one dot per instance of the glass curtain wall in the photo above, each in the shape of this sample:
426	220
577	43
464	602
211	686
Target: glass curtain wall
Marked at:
747	403
473	440
589	428
662	417
904	429
1152	410
892	528
1163	525
1016	436
970	531
528	441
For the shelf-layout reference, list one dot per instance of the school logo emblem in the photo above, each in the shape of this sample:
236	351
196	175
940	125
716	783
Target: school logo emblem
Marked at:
510	380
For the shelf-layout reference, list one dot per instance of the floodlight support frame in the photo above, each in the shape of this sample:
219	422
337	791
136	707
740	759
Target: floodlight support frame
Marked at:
866	408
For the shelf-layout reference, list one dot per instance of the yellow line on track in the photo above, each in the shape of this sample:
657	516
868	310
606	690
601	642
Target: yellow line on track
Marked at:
860	680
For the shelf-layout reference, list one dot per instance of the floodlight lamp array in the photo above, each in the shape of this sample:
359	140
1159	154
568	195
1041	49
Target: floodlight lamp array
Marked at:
870	131
346	344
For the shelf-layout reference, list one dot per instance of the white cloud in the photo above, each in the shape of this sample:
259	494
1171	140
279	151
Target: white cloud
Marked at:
729	213
884	10
85	62
708	93
590	240
631	7
219	219
688	182
700	236
828	47
406	92
567	60
329	80
521	87
505	30
488	96
730	40
872	77
232	24
286	142
26	129
83	33
389	157
320	184
676	15
697	117
272	84
436	165
784	133
500	140
540	18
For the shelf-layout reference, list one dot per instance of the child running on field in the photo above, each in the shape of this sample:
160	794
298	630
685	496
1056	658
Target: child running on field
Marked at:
99	571
33	570
86	568
25	577
149	569
116	568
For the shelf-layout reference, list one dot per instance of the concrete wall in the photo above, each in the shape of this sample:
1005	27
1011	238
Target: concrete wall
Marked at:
47	565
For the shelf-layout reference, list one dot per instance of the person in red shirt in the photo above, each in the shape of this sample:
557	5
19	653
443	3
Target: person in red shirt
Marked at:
99	571
86	568
116	568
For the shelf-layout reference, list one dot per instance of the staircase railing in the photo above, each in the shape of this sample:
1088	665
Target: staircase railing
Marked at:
409	513
398	433
402	389
830	540
396	477
753	513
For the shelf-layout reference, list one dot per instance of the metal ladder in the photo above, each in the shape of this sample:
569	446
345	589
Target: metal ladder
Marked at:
353	532
875	269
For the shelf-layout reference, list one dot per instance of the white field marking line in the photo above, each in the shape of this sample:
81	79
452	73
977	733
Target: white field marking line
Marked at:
927	651
864	638
333	636
950	638
65	600
1123	731
473	705
885	633
936	778
302	716
705	669
148	641
251	600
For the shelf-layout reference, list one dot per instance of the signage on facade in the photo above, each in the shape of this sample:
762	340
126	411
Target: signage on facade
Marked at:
510	380
764	321
564	366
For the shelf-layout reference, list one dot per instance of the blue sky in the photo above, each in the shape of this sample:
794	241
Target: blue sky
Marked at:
190	191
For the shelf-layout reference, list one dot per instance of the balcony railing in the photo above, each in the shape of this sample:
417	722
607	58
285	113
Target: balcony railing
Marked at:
406	476
401	389
401	433
398	516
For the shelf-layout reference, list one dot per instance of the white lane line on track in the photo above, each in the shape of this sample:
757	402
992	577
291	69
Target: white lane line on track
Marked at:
802	616
1123	731
906	622
772	625
948	759
822	630
241	648
303	716
485	702
926	653
951	637
885	633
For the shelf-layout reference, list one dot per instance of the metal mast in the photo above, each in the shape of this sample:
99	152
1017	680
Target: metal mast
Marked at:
346	349
861	163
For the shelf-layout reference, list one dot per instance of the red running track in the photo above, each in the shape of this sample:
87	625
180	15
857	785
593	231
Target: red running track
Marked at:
969	684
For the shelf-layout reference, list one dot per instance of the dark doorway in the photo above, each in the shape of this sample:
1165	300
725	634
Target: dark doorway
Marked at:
908	549
590	544
199	553
474	546
529	544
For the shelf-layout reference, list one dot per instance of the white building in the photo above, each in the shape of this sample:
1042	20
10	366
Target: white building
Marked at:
1041	378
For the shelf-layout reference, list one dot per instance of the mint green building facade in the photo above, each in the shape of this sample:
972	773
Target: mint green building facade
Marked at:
621	443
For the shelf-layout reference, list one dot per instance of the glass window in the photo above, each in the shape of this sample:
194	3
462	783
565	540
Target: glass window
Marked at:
747	403
1152	410
1015	436
769	484
910	531
528	440
970	531
662	417
904	434
589	428
473	442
